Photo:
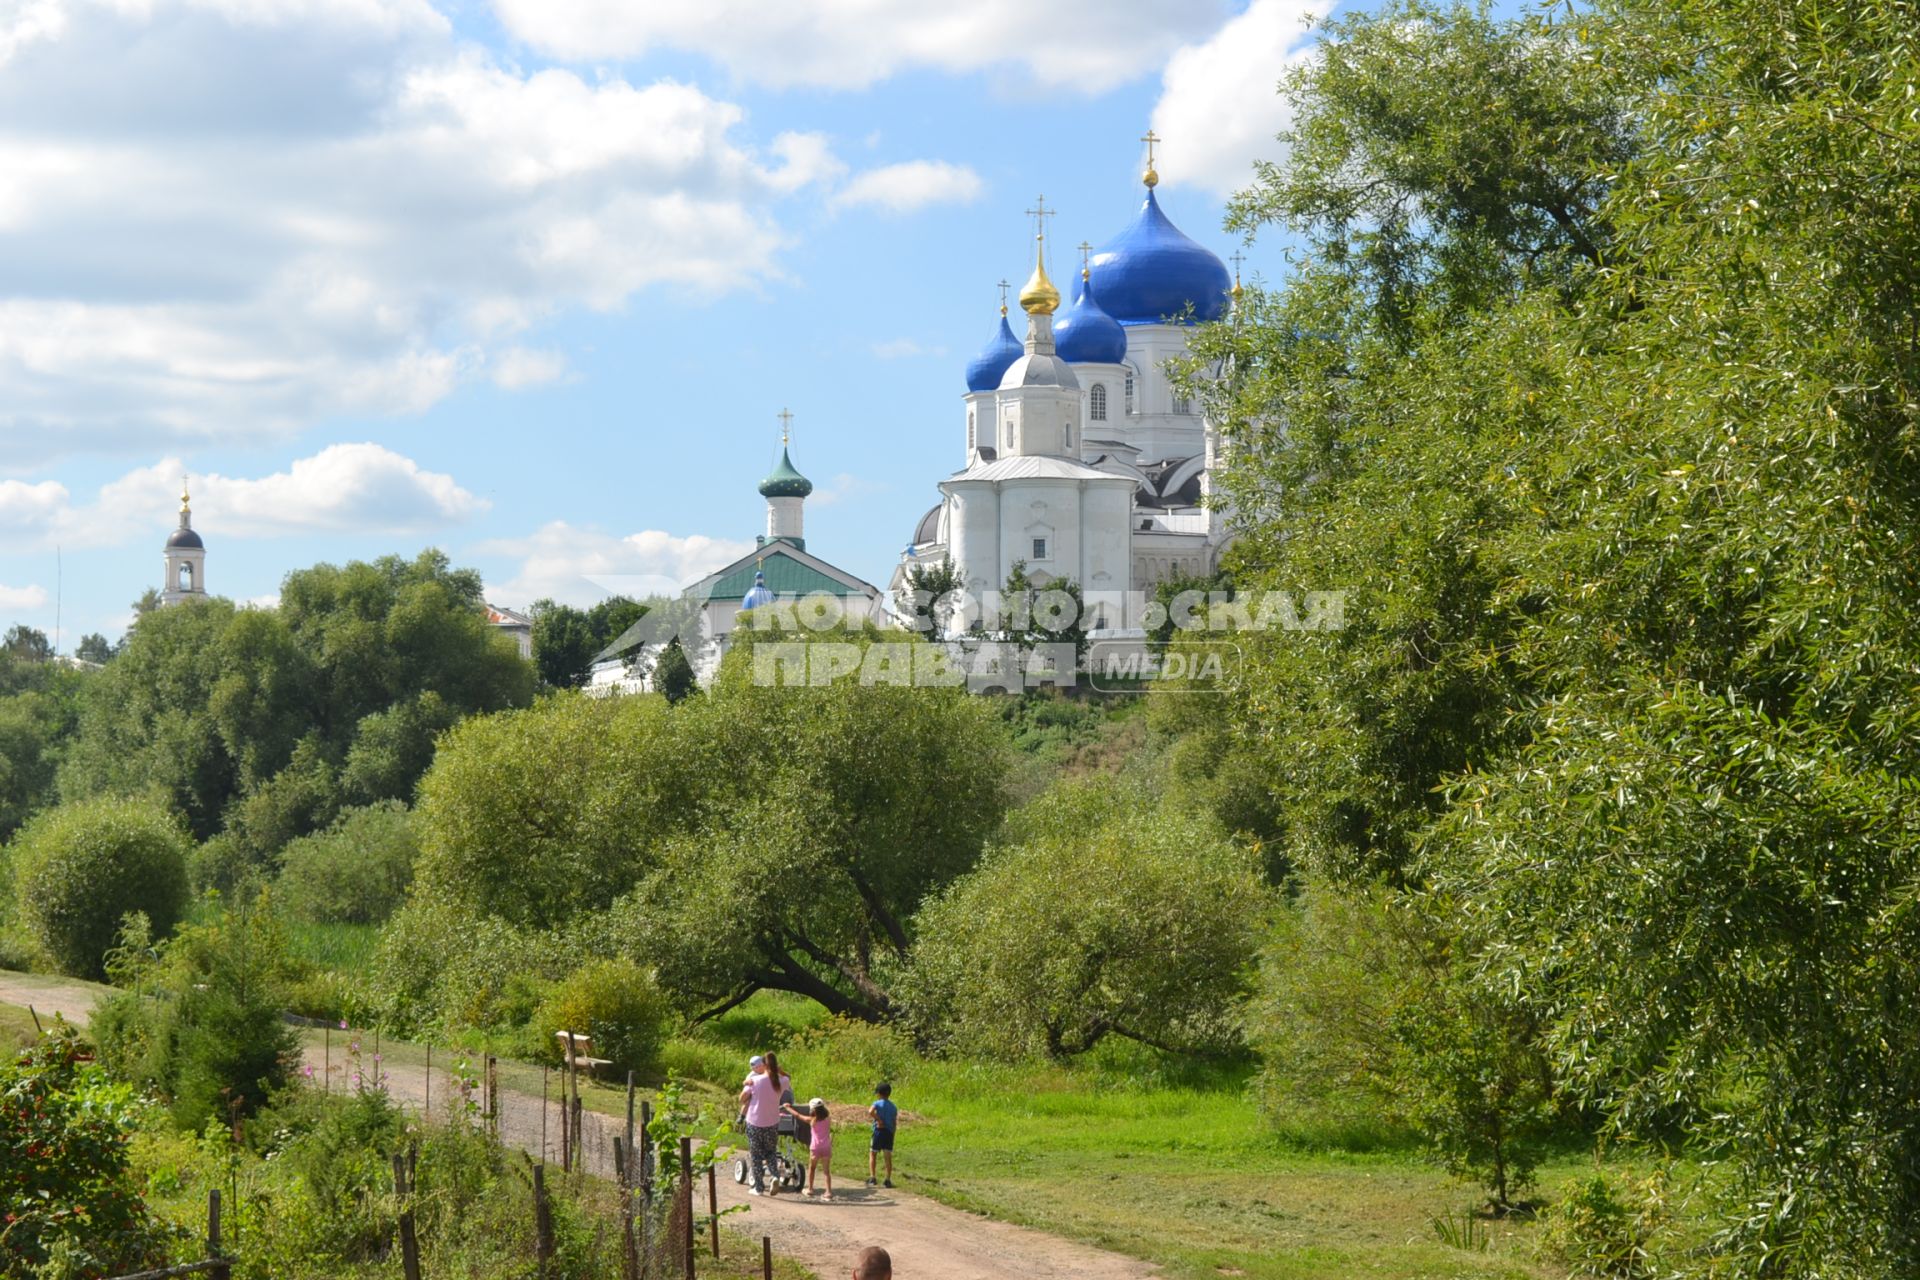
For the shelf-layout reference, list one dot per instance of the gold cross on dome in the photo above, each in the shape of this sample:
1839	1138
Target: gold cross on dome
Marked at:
1236	259
1152	176
1040	213
1086	255
786	426
1004	286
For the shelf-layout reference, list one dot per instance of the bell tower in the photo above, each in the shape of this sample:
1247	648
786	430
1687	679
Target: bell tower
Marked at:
186	559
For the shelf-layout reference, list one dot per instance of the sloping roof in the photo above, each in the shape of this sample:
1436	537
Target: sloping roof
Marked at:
1033	466
790	572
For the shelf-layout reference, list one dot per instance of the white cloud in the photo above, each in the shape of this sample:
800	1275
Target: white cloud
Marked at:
843	487
29	597
579	566
225	219
1219	98
914	184
903	349
518	367
356	488
1082	46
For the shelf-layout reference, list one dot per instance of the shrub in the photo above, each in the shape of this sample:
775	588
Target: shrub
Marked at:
1105	913
440	968
66	1192
616	1002
355	872
202	1024
222	864
81	867
1602	1229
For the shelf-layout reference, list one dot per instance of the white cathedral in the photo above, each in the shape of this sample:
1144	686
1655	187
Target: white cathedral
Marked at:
1082	460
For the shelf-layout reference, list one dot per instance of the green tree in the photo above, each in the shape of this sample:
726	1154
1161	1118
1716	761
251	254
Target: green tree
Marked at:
566	640
93	647
1102	912
79	868
673	675
354	872
26	644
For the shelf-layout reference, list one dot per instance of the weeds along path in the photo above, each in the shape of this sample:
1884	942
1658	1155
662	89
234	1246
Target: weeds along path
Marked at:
928	1240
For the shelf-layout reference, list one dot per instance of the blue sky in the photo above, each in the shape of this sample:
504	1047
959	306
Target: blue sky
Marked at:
529	280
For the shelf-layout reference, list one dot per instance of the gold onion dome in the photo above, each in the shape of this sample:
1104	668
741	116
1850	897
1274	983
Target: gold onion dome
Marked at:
1038	296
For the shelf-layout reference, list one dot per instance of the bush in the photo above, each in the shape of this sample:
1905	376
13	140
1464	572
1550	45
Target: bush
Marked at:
66	1192
355	872
1105	913
80	868
441	969
616	1002
1602	1229
201	1024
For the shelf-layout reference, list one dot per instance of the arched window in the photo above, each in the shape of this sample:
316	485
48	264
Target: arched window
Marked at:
1131	409
1181	405
1097	402
186	577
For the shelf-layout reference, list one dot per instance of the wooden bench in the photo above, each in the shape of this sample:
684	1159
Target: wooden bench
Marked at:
576	1051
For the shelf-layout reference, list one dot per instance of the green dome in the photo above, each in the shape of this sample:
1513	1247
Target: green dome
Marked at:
785	482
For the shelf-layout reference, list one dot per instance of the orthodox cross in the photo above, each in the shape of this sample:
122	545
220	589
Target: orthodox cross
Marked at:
786	426
1237	258
1040	213
1003	297
1086	255
1150	138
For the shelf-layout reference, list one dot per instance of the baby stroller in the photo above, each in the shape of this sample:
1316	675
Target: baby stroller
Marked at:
789	1171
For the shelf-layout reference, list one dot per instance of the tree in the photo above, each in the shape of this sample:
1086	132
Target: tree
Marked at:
673	675
797	871
1627	526
93	647
566	640
354	872
80	868
26	644
927	591
1101	912
1036	613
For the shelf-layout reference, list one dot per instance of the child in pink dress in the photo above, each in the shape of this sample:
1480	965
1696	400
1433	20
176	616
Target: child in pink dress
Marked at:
819	1142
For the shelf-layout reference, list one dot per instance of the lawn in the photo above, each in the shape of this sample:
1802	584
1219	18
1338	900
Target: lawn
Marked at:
1157	1160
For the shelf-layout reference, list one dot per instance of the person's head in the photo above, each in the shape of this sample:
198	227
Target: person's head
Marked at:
817	1108
757	1065
883	1090
873	1264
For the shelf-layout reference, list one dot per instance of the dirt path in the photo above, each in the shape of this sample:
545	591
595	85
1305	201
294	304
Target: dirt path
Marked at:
928	1240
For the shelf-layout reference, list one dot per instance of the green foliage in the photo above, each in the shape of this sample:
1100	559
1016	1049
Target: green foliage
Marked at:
1103	912
616	1002
79	868
1594	389
267	721
200	1021
355	872
1603	1229
756	837
26	644
673	674
93	647
566	640
443	967
66	1189
38	710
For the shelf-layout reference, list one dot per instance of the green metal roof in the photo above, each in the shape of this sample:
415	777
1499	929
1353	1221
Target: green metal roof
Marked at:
785	482
786	576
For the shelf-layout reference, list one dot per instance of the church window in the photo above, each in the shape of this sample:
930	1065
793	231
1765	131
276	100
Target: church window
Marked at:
1039	548
1097	402
1131	403
1181	405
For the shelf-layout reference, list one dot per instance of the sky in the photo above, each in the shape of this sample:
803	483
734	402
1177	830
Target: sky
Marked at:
530	280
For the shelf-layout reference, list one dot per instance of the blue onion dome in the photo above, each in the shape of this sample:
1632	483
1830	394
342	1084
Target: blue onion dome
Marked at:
757	595
1086	334
985	371
1152	270
785	482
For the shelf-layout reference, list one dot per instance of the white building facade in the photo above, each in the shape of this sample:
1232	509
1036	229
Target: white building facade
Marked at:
1082	460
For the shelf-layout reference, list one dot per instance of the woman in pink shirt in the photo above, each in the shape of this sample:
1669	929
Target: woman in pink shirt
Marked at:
763	1094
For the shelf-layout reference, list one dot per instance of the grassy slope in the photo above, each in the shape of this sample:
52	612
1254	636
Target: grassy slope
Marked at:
1124	1154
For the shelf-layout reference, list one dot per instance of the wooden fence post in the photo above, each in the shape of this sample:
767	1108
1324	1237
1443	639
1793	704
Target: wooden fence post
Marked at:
493	1095
409	1242
713	1208
646	1151
326	1060
426	1102
686	1198
766	1257
542	1219
222	1271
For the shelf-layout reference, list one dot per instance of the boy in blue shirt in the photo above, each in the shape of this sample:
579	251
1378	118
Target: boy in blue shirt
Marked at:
886	1118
